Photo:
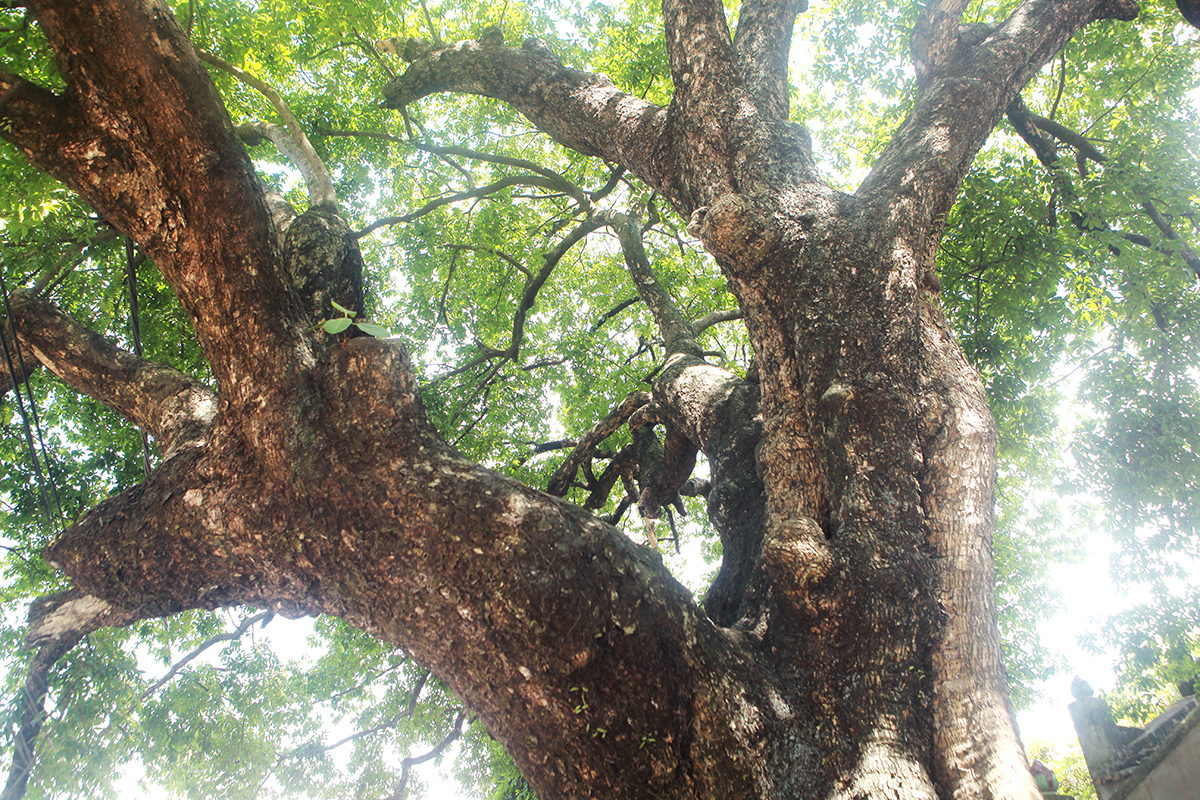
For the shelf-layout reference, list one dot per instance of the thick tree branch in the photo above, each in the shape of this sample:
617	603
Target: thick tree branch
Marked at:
708	320
764	42
173	407
967	87
57	623
719	413
584	112
935	37
459	560
699	48
142	135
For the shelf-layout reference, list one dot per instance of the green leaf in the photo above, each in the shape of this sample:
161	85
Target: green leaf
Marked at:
372	329
337	325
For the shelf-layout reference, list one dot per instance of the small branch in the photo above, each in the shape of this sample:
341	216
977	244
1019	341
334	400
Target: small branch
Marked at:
57	623
708	320
483	191
557	180
614	180
674	329
1031	127
1068	136
369	48
199	650
542	364
534	284
1062	84
621	467
429	22
359	686
391	722
548	447
316	176
493	251
612	312
1168	230
55	273
561	480
402	785
410	141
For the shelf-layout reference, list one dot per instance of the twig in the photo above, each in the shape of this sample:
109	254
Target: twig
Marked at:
228	636
617	309
708	320
391	722
408	763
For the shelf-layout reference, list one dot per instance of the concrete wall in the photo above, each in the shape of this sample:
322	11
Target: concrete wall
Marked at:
1176	777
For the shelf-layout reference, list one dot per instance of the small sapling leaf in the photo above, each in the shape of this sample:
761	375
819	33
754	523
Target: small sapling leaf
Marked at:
337	325
371	329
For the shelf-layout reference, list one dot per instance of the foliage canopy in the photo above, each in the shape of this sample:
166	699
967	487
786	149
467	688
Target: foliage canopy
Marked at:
1066	271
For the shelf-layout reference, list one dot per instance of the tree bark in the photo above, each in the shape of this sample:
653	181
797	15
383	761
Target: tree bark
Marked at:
850	646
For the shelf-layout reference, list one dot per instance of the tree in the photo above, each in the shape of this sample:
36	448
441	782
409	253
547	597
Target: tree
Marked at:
848	645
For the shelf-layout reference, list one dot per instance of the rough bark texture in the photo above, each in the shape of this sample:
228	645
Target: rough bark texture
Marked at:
849	647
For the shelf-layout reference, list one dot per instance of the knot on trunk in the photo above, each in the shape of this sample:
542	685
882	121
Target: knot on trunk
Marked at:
795	557
735	229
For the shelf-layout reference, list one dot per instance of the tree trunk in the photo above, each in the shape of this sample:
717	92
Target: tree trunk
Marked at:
850	646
